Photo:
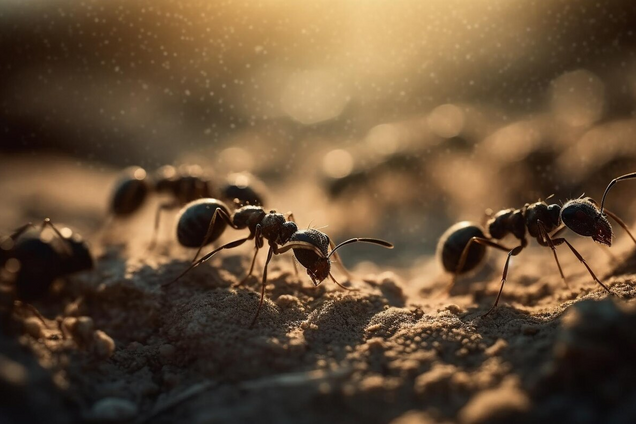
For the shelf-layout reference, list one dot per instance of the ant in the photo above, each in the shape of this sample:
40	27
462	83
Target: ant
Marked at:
243	189
183	185
310	247
33	262
463	246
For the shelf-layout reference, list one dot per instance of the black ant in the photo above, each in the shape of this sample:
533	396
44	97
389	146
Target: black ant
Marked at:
184	184
33	262
463	246
243	189
310	247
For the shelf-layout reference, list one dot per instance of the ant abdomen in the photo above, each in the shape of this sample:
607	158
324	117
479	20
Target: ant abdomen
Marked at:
194	219
452	244
130	192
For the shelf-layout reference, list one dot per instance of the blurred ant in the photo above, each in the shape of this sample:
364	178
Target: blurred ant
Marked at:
183	185
310	247
463	246
243	189
33	262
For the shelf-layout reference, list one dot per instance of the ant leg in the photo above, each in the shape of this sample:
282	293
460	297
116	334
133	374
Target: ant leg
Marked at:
580	258
208	234
558	231
340	285
162	207
229	245
621	223
547	240
67	244
513	252
263	285
338	260
257	245
464	256
290	217
19	231
614	181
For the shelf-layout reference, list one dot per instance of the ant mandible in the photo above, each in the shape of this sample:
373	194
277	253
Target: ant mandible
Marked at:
33	262
463	246
310	247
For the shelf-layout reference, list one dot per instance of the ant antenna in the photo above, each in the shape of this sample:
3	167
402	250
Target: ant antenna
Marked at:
614	181
363	240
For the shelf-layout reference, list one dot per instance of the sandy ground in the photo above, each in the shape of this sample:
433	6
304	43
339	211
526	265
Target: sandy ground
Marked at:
394	350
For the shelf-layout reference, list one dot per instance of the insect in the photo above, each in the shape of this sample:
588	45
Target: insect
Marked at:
182	185
33	261
243	189
463	246
310	247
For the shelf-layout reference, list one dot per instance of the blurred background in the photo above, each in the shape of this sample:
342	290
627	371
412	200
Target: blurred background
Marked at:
391	119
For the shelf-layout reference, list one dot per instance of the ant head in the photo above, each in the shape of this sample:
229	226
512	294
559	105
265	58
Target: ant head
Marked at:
318	267
584	218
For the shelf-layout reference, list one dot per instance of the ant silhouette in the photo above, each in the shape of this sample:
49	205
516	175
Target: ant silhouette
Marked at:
310	247
463	246
33	262
184	184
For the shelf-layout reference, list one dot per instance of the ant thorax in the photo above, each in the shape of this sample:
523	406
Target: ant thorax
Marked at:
507	221
548	216
248	217
271	226
584	218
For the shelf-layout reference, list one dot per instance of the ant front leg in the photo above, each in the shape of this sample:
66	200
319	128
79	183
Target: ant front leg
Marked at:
340	285
621	223
560	241
545	240
162	207
338	260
